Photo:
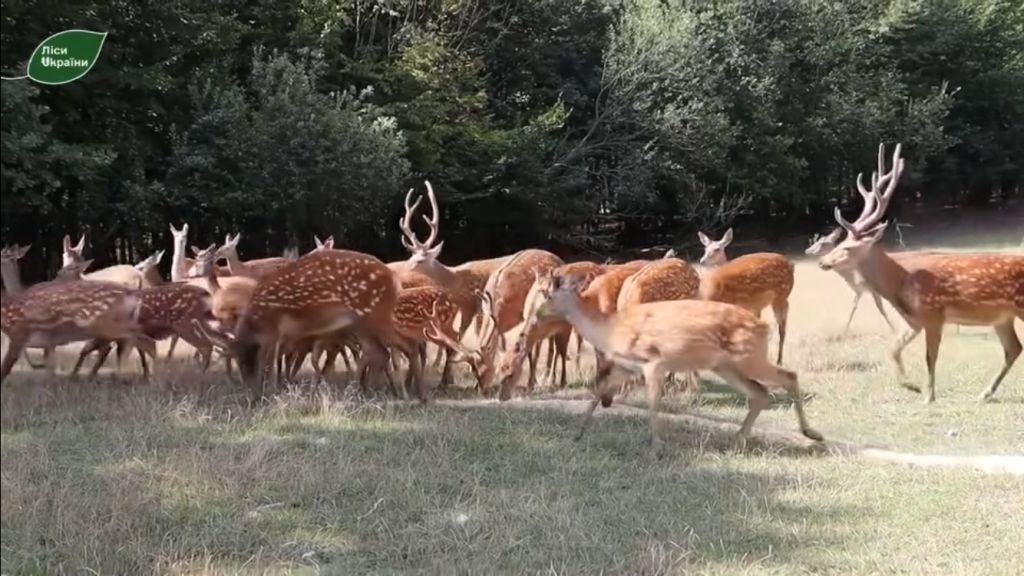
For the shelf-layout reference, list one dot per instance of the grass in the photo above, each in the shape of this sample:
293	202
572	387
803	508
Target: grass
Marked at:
179	477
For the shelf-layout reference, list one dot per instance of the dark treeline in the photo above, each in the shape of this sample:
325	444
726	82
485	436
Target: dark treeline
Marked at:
592	125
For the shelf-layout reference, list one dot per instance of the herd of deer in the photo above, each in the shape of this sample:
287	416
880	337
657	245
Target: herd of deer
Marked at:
643	318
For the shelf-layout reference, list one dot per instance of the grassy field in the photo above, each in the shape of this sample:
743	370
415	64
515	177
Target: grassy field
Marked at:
178	477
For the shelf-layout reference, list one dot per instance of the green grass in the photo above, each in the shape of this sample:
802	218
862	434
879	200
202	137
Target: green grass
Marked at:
180	477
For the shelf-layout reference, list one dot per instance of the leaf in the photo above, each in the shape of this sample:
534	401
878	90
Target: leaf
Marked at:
66	56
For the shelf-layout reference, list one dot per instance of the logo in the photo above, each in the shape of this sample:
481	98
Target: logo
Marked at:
64	57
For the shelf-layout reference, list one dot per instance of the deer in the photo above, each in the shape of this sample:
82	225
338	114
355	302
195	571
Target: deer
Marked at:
462	282
252	268
56	313
480	359
123	274
10	308
602	293
318	295
753	281
181	265
821	245
558	332
149	270
655	338
980	289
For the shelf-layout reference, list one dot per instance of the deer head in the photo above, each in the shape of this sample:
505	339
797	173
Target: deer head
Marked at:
206	260
325	244
14	253
714	250
820	245
72	252
229	250
868	228
421	254
74	270
558	295
179	234
481	359
150	262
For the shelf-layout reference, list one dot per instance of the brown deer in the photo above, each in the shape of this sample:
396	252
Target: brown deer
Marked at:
971	289
480	359
510	284
123	274
754	281
257	268
320	294
149	270
10	307
416	308
56	313
678	335
463	281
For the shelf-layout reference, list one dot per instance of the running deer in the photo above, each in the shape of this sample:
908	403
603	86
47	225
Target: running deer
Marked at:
257	268
480	359
971	289
602	294
318	295
678	335
10	306
462	282
123	274
56	313
754	281
821	245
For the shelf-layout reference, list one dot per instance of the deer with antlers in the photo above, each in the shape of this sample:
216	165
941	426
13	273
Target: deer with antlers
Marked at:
753	281
678	335
480	359
971	289
462	282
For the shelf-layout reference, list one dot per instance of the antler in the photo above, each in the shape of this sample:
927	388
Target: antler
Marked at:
433	331
409	239
875	202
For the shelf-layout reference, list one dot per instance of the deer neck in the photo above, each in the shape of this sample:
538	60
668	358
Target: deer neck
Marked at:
212	284
152	277
11	277
235	264
446	277
593	325
884	276
178	266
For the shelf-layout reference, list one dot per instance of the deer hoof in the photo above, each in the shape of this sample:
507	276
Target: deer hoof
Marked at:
813	434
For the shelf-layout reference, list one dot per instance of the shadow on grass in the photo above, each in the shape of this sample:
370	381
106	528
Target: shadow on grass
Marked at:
145	479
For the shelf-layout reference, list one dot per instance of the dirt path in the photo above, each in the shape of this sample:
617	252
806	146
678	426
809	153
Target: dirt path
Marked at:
724	431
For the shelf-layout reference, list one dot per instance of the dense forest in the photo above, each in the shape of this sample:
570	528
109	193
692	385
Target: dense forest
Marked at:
584	125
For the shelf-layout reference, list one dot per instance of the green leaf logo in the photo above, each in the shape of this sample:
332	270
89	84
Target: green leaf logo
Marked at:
65	57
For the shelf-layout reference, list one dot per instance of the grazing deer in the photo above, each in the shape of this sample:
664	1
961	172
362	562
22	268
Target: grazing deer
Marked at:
416	308
462	282
56	313
257	268
480	359
754	281
164	311
821	245
123	274
678	335
972	289
510	284
321	294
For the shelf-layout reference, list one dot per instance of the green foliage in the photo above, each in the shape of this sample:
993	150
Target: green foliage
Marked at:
596	124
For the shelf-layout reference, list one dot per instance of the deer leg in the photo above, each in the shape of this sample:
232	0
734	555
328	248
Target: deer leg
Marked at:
897	354
562	346
932	337
15	347
196	340
89	348
856	300
170	349
881	310
602	395
1011	351
781	309
104	351
654	375
756	393
50	360
531	358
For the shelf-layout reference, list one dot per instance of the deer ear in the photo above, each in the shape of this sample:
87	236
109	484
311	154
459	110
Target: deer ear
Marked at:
727	238
81	244
84	264
67	243
703	238
436	250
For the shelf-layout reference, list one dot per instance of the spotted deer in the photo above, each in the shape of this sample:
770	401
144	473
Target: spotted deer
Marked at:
257	268
123	274
479	359
57	313
463	281
10	305
678	335
979	289
754	281
510	284
416	308
558	332
602	294
320	294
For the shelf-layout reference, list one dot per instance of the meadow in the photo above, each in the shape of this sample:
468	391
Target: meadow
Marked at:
180	476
